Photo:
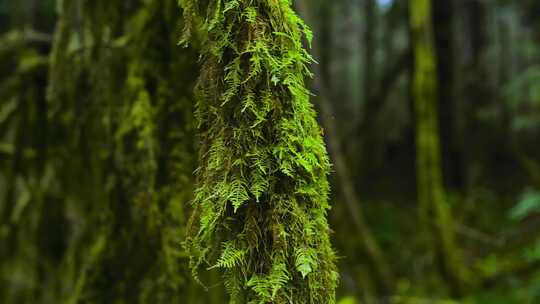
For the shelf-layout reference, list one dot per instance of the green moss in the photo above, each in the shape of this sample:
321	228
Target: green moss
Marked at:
262	194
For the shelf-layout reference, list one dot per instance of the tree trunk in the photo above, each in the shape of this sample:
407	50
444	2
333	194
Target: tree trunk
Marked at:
434	211
369	44
478	132
451	148
384	277
262	192
102	163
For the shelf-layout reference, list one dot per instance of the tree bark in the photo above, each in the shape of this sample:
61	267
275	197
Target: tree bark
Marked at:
452	157
477	132
434	210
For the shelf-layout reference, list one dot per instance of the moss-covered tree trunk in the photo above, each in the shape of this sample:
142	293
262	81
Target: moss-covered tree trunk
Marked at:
132	135
261	201
106	203
434	209
24	176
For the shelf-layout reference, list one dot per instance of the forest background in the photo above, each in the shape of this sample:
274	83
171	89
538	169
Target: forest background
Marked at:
430	111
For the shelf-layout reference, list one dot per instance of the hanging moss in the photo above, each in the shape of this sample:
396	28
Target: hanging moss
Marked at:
261	201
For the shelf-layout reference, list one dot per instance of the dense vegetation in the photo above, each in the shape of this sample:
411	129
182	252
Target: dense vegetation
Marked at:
262	194
171	151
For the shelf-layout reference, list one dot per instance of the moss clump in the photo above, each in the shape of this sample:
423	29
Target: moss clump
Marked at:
262	195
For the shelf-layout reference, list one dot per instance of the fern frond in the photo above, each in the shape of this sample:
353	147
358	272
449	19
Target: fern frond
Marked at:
230	256
237	193
268	286
233	286
305	260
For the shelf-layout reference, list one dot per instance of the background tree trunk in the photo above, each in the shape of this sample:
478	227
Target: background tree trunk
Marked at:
434	211
384	276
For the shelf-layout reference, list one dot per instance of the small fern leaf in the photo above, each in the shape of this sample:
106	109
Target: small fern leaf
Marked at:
305	261
259	185
230	256
267	287
237	193
233	286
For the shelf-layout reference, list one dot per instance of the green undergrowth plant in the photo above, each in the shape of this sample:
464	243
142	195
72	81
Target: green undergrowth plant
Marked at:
261	201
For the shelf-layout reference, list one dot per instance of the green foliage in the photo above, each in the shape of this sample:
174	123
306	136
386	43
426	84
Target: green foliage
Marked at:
532	253
305	261
523	96
262	191
267	287
528	204
230	256
347	300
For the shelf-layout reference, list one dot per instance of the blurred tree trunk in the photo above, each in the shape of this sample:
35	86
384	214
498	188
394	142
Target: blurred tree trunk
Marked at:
434	210
23	149
101	156
370	142
378	262
525	153
477	91
370	46
478	130
379	81
451	148
33	10
325	24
